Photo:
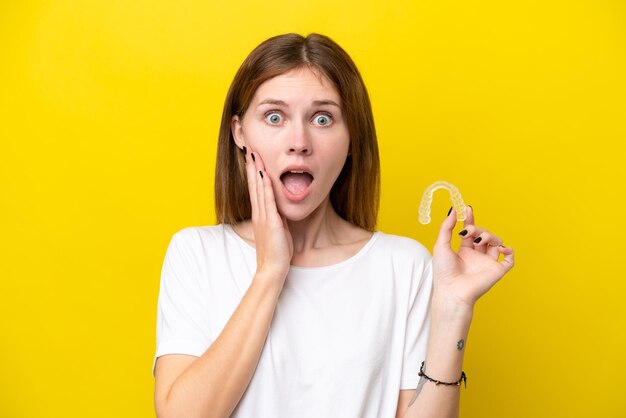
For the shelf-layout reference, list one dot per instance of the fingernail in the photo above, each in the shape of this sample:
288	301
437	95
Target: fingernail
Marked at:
502	246
477	240
470	206
261	173
252	154
245	150
463	232
449	211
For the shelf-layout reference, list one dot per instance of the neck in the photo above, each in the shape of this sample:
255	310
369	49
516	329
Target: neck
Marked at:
318	230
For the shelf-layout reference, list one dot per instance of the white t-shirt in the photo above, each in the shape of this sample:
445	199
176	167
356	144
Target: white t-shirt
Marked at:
344	338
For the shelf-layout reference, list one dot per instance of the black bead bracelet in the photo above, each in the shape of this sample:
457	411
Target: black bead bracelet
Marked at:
439	382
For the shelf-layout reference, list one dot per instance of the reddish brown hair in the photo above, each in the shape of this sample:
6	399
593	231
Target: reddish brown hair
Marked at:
355	194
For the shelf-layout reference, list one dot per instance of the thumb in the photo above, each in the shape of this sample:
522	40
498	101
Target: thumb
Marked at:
445	232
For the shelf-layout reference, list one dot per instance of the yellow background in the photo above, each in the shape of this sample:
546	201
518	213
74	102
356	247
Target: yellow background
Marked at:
109	115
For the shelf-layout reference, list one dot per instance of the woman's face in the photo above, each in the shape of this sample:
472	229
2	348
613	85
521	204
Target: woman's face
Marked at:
294	122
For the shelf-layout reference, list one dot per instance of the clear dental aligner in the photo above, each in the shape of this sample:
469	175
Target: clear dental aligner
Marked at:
427	200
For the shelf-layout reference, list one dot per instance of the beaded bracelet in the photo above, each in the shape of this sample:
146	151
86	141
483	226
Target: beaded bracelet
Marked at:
439	382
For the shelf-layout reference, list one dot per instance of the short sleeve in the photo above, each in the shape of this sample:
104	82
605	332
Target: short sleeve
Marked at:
418	321
182	315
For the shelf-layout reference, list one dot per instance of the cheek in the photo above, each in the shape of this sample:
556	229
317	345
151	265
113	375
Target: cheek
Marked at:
338	152
335	160
259	141
268	156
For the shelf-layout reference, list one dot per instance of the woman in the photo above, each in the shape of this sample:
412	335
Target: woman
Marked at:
293	306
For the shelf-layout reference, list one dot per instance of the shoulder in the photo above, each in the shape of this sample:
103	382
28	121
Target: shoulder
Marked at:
411	260
191	231
197	250
193	235
195	240
403	247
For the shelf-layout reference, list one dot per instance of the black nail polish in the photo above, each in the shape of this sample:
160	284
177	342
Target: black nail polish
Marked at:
261	173
463	232
449	211
477	240
245	150
252	154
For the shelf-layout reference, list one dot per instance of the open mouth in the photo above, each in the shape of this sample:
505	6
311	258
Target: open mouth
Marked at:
296	181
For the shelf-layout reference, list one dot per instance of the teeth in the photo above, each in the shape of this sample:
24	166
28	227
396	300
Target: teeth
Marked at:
297	171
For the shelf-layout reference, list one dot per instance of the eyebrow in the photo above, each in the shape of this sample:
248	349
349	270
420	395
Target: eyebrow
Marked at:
282	103
325	102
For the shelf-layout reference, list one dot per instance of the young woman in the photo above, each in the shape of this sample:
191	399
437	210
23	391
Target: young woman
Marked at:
293	306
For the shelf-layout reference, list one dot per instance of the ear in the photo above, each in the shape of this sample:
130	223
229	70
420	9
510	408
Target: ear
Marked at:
237	131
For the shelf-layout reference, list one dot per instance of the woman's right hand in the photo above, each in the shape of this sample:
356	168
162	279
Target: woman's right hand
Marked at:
274	244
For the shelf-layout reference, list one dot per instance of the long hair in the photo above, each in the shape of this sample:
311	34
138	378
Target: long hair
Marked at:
355	194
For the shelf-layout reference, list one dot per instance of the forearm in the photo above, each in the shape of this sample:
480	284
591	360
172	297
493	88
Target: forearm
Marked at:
213	384
444	362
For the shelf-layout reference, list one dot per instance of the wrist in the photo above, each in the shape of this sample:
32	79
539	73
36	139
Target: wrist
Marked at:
271	281
448	308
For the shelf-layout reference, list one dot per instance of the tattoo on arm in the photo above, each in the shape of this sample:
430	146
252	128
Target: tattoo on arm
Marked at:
460	344
420	384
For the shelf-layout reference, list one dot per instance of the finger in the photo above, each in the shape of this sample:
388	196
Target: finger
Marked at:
485	241
469	216
252	184
269	201
467	222
445	231
258	179
492	246
469	234
509	257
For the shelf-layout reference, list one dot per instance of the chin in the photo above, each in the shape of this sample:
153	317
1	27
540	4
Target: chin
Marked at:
295	215
297	212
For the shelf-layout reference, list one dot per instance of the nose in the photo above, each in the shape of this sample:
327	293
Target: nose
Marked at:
300	141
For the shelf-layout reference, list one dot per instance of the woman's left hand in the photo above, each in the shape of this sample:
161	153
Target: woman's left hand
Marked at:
464	276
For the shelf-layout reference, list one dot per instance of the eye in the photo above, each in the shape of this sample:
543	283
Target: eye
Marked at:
323	119
273	118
